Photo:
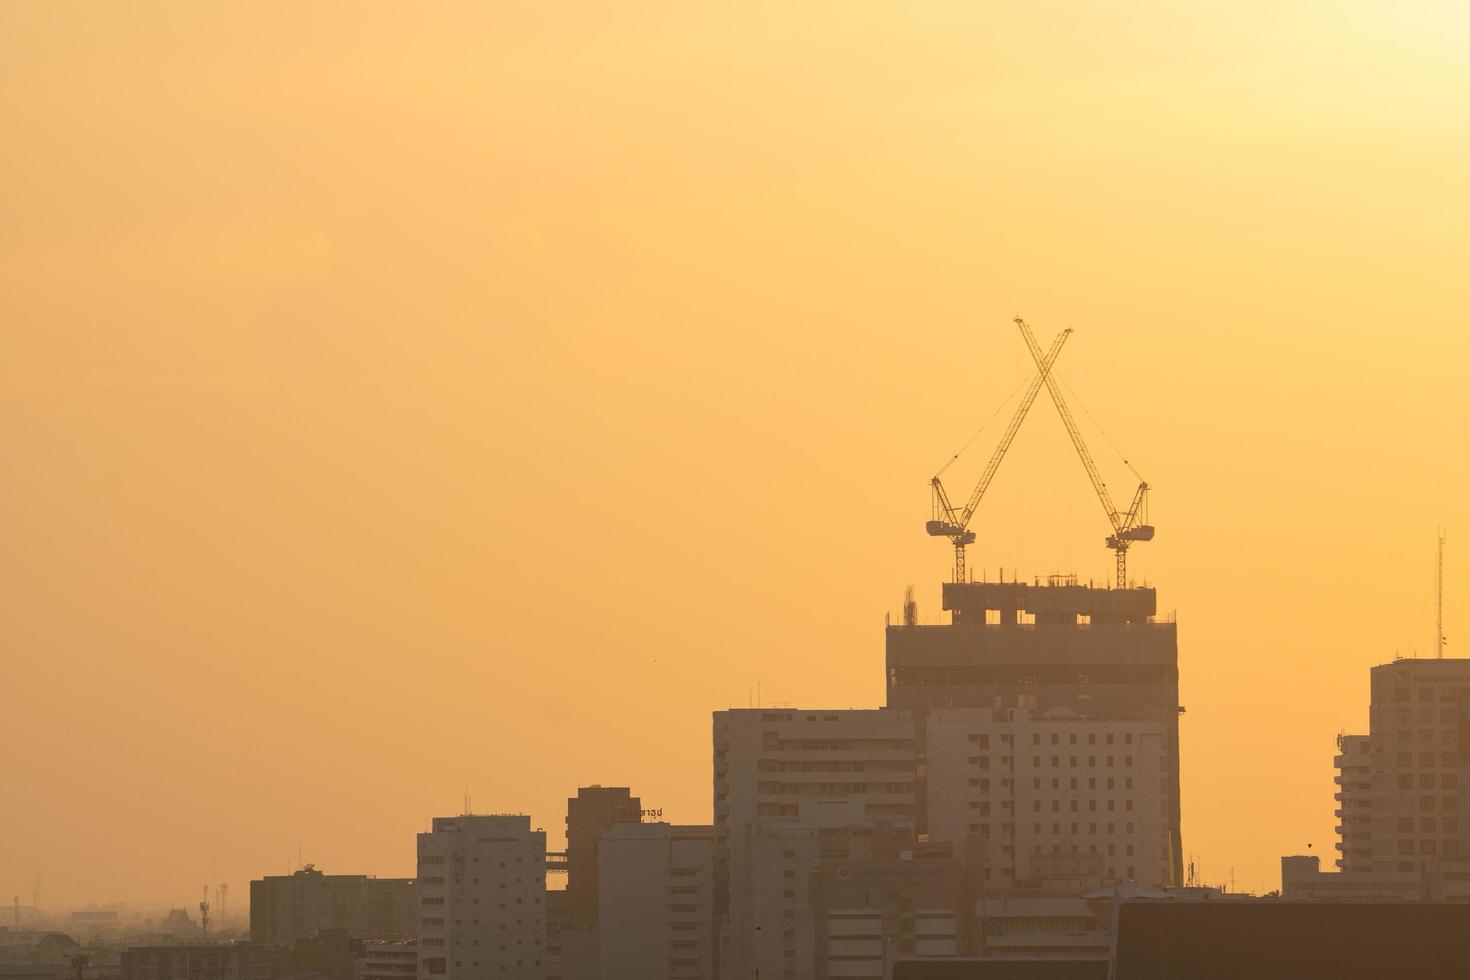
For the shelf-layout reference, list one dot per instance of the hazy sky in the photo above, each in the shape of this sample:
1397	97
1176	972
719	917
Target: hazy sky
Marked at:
400	398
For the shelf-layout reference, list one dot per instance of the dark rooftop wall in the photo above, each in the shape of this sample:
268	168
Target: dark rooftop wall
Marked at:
1293	941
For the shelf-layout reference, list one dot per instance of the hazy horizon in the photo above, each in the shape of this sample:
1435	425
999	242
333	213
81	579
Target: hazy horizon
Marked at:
473	399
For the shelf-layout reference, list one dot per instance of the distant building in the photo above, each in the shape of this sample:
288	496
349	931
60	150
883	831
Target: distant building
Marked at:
178	924
780	777
1024	789
1303	879
590	814
482	899
556	924
36	946
94	922
287	908
876	896
331	954
656	902
1399	786
1354	796
386	961
199	961
1039	925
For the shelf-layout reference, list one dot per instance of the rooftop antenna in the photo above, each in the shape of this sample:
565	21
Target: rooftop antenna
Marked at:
224	897
1439	600
204	914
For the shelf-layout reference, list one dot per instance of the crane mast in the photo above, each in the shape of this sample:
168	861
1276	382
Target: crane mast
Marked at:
946	521
1128	526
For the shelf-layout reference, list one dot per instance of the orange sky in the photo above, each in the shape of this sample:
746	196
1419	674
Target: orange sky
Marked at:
400	399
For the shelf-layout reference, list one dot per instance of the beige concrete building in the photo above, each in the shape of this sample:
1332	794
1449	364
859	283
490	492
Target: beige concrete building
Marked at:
1018	789
1100	664
1419	737
886	897
1354	798
482	894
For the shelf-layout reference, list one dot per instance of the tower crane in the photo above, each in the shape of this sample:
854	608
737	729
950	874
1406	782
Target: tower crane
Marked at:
1128	526
955	524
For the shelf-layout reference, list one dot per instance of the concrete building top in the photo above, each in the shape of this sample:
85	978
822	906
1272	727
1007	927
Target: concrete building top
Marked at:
1052	603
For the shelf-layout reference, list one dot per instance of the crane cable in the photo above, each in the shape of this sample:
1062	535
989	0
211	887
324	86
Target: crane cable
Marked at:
1000	408
1078	401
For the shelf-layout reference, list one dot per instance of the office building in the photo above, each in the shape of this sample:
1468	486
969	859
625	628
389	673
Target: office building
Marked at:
482	898
1354	797
386	961
656	901
1020	790
589	815
781	776
287	908
878	895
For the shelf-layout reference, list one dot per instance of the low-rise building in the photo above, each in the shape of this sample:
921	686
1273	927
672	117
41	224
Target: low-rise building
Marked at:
205	961
286	908
386	961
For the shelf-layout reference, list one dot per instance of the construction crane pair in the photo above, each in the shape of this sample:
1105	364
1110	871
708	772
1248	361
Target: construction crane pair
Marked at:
1128	526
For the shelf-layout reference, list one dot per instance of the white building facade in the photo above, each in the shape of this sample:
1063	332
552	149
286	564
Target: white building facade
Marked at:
1027	790
481	896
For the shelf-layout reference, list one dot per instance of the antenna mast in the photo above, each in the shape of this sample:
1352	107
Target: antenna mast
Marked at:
1439	601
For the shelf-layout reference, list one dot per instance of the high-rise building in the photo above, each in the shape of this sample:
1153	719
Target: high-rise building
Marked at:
482	895
589	815
782	777
1018	789
1093	663
656	902
1418	758
1354	796
878	895
286	908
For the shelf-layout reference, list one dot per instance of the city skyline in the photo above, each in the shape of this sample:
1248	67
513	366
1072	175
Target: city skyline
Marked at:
489	436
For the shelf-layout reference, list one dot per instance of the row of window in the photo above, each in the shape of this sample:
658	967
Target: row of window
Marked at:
1449	825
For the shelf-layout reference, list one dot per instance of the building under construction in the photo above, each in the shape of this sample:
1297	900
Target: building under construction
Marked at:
1047	716
1047	724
